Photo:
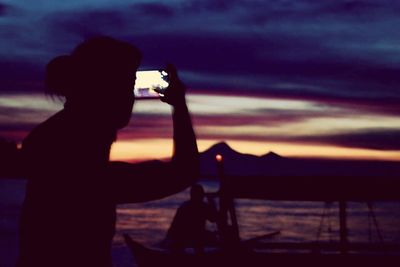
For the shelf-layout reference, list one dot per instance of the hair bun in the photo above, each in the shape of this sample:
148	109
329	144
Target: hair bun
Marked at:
59	76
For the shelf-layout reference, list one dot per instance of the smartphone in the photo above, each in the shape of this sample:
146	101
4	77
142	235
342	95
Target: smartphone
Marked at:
147	81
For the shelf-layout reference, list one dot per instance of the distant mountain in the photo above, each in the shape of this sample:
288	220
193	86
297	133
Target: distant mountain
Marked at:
221	148
271	155
274	165
236	163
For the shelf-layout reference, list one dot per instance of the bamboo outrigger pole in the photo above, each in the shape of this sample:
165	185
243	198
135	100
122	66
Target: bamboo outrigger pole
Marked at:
229	232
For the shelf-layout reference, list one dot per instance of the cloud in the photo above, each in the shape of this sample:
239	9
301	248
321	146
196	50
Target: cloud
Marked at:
20	76
195	6
357	7
4	8
277	59
375	139
378	139
144	125
268	117
15	124
85	23
261	13
154	10
114	21
256	66
325	58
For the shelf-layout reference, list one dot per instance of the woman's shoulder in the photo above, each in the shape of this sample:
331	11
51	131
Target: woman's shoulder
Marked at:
45	131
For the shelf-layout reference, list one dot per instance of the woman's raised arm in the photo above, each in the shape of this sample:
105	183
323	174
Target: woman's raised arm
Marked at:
156	179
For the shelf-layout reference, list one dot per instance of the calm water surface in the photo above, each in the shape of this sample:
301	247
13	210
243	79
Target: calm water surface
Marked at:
297	221
148	222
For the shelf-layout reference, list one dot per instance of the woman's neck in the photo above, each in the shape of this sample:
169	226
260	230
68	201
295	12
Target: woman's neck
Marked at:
88	120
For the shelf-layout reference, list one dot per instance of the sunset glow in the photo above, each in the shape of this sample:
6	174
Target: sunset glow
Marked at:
278	80
149	149
253	125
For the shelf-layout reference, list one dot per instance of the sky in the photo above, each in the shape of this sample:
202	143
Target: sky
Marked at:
303	78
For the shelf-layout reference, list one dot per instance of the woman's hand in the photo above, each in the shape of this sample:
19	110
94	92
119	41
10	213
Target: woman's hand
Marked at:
175	92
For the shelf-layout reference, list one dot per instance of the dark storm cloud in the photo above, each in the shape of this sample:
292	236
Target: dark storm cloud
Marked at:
340	80
85	24
263	12
267	119
308	57
112	21
20	76
279	58
377	139
208	5
202	52
245	54
74	26
157	10
357	7
4	8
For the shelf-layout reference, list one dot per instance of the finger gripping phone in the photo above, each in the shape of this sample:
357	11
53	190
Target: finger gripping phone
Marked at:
150	84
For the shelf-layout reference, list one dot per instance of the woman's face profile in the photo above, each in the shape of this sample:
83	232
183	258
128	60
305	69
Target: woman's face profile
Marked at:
116	93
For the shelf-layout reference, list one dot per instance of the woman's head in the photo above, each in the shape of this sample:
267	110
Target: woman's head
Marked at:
98	76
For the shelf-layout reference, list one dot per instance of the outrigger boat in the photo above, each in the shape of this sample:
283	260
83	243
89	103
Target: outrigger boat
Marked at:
242	256
235	252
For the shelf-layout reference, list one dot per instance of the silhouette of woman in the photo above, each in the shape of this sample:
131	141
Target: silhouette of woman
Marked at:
68	217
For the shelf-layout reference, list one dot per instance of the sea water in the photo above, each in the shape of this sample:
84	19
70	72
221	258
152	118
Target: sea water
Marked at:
147	223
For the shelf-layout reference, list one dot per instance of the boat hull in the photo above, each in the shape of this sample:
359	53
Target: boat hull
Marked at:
146	257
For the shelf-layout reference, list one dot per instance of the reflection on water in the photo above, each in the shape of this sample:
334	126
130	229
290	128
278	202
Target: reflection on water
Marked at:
148	222
299	221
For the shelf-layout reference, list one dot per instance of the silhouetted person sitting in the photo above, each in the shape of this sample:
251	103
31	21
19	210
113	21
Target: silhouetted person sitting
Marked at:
188	228
68	217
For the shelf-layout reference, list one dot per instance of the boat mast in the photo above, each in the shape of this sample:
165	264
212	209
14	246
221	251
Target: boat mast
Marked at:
229	232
